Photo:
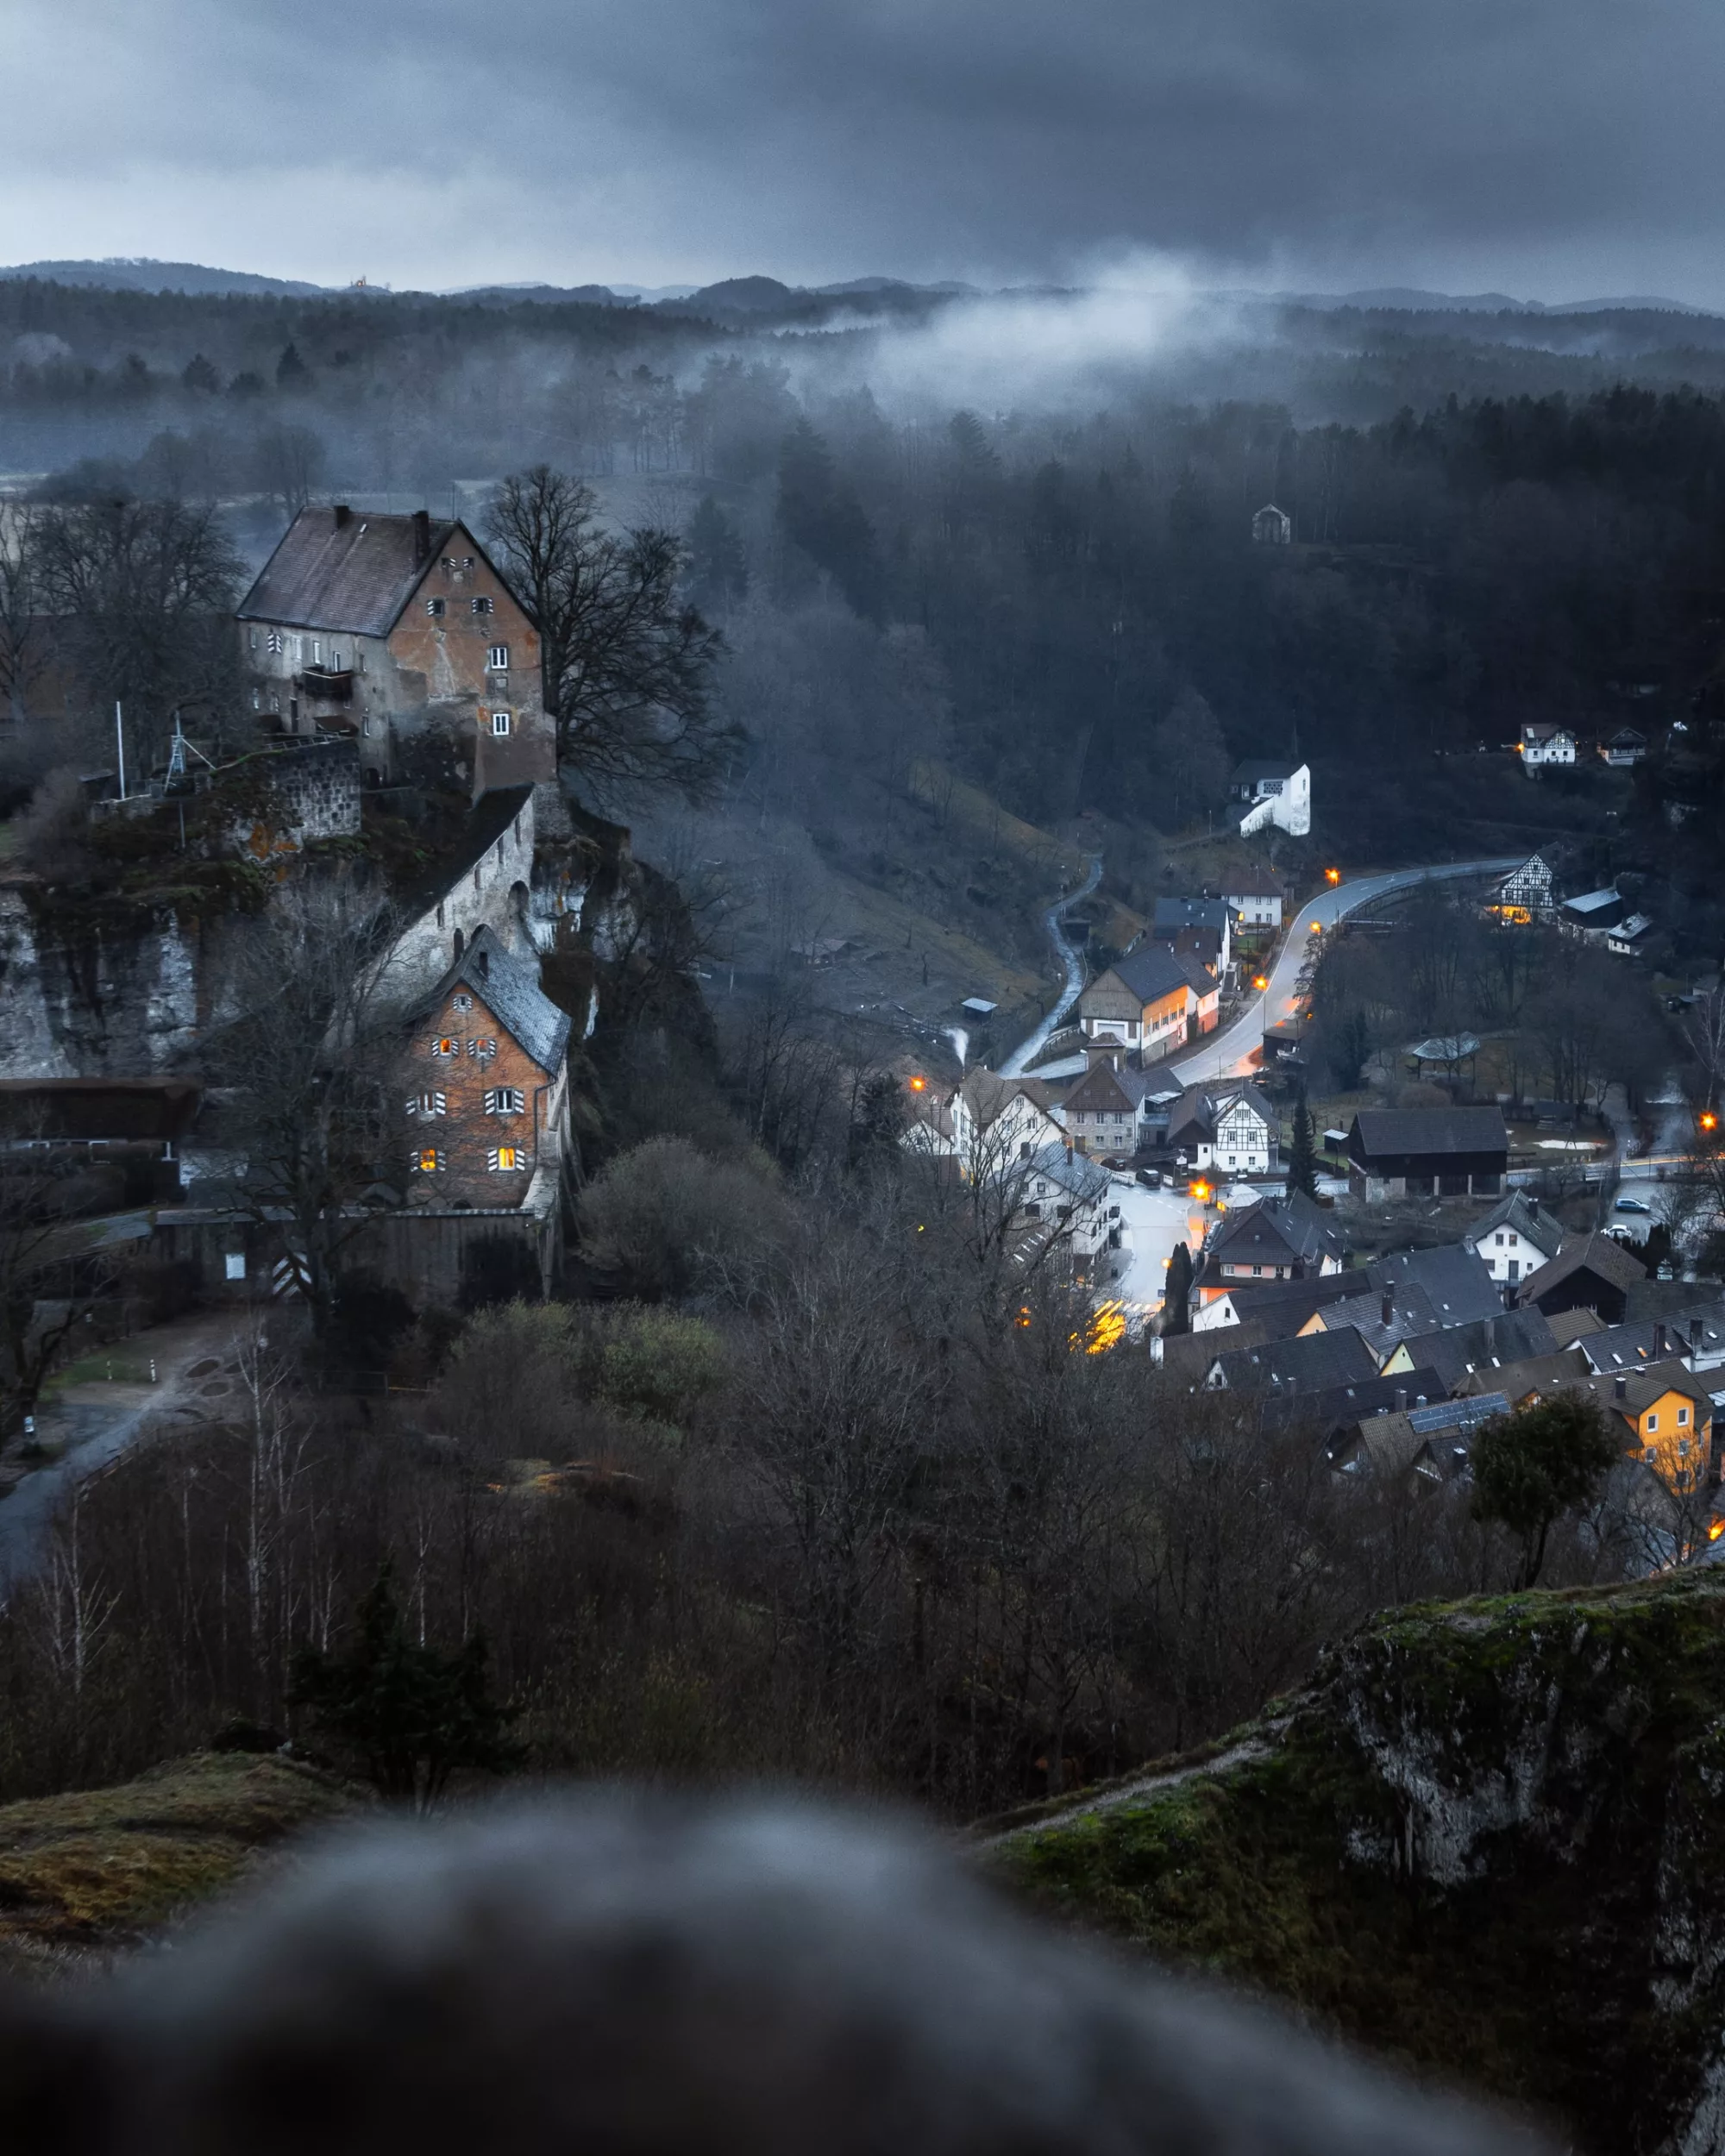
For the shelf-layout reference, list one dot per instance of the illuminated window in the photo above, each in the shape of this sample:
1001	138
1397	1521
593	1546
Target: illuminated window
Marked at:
499	722
435	608
446	1045
428	1161
503	1158
499	659
504	1100
481	1051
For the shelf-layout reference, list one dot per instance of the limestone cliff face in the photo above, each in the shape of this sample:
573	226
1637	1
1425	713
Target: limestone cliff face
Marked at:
85	1002
1490	1838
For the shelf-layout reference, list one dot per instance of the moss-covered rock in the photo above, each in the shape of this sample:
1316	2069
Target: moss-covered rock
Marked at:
1488	1839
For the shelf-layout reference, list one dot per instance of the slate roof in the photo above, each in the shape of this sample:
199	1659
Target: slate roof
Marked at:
354	576
1433	1441
1454	1276
1312	1362
1292	1225
1483	1347
1080	1177
1152	971
1410	1313
1200	1106
1620	1347
1570	1325
1104	1086
1285	1305
1543	1374
1524	1214
1344	1404
1391	1133
509	988
1596	1254
1256	883
1174	914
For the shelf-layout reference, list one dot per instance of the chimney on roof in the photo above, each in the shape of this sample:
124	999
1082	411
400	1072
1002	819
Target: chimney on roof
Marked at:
421	534
1619	1386
1491	1338
1419	1400
343	514
1659	1340
1401	1399
1389	1307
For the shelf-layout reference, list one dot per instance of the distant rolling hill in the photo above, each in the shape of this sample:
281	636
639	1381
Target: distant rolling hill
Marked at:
142	275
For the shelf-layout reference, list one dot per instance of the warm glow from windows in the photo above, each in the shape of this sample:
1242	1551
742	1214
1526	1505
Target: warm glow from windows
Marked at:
428	1163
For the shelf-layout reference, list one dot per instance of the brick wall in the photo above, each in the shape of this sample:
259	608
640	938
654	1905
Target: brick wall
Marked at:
458	1060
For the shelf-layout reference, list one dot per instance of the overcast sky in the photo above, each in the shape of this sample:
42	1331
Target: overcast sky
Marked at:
1555	148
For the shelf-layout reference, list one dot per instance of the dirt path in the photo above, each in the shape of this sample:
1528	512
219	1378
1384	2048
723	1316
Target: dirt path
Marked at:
1130	1792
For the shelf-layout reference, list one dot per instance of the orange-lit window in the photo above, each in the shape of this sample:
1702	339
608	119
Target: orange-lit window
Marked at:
446	1045
428	1161
503	1158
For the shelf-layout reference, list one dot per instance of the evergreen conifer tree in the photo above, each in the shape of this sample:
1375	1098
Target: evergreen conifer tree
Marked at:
1302	1152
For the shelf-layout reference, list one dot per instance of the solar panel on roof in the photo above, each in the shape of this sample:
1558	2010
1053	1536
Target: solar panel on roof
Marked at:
1453	1412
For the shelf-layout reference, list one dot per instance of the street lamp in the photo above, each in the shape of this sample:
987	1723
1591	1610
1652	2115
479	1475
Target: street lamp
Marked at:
1332	876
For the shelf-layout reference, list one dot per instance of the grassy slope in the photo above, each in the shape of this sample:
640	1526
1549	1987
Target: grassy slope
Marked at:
97	1868
1554	1763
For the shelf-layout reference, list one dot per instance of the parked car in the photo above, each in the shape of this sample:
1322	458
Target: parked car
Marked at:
1151	1178
1631	1205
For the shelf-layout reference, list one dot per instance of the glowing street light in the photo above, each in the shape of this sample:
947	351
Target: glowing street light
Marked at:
1709	1120
1317	928
918	1084
1260	981
1332	876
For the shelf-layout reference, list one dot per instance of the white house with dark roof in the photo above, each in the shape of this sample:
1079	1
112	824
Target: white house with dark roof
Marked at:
378	627
1273	791
1543	743
1515	1238
1230	1128
1256	898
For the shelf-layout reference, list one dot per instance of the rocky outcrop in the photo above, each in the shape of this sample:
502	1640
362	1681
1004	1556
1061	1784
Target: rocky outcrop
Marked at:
1490	1838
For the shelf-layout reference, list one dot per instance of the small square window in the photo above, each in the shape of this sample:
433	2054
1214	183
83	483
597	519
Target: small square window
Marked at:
482	605
428	1104
504	1100
504	1158
1652	1424
234	1263
428	1161
499	722
1683	1418
275	640
498	659
435	608
460	1002
446	1045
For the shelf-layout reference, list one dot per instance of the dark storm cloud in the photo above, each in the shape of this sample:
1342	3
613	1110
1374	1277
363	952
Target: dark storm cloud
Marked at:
1538	139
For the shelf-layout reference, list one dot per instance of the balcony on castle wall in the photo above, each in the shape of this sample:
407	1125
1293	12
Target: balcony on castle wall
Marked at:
326	685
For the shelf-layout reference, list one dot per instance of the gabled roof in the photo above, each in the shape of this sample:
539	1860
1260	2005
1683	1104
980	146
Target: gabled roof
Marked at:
1275	1231
1310	1363
1103	1087
509	988
1623	1347
1339	1405
1545	729
987	1095
1484	1348
1200	1106
1571	1326
1390	1134
1174	914
1079	1176
1525	1216
354	574
1433	1441
1410	1314
1152	972
1454	1276
1283	1306
1255	770
1596	1253
1256	883
1537	1375
1590	902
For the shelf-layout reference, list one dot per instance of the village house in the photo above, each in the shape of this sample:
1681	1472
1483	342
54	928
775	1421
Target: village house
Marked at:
1543	744
1256	899
1202	927
1069	1198
1271	1309
1273	793
1153	1000
1665	1417
1104	1112
1427	1152
1624	749
1229	1128
1426	1443
1278	1239
384	626
1590	1272
1631	937
1515	1238
1525	894
1695	1338
1308	1363
986	1124
1591	913
486	1086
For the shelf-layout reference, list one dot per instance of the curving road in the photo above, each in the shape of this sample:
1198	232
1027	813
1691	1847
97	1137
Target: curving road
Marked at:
1232	1053
1068	957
